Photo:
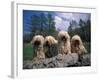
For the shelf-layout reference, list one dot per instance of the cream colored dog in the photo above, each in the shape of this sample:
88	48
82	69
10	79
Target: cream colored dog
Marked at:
64	43
51	46
77	45
49	40
38	42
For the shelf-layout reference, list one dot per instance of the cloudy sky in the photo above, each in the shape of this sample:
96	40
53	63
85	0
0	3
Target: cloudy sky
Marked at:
61	19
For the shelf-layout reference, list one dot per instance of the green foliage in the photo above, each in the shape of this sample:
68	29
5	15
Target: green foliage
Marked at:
43	25
83	29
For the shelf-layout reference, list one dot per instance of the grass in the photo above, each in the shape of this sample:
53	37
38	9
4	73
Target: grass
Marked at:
28	50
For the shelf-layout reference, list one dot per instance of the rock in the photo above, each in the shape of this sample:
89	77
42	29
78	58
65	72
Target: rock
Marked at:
27	65
86	60
69	60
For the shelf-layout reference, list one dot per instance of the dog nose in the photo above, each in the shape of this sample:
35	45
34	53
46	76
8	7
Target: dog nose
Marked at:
47	43
37	43
76	43
63	38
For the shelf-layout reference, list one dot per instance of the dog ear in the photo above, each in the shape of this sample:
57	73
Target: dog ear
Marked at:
83	49
56	42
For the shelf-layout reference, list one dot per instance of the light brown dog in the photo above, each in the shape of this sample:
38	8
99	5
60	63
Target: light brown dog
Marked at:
77	45
38	42
51	46
64	43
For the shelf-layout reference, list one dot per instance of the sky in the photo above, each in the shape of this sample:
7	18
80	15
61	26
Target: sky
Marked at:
61	19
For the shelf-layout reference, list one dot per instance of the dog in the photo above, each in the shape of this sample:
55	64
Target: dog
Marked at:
38	42
77	46
64	46
50	46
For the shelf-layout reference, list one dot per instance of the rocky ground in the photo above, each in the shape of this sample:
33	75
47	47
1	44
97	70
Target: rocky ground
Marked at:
69	60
